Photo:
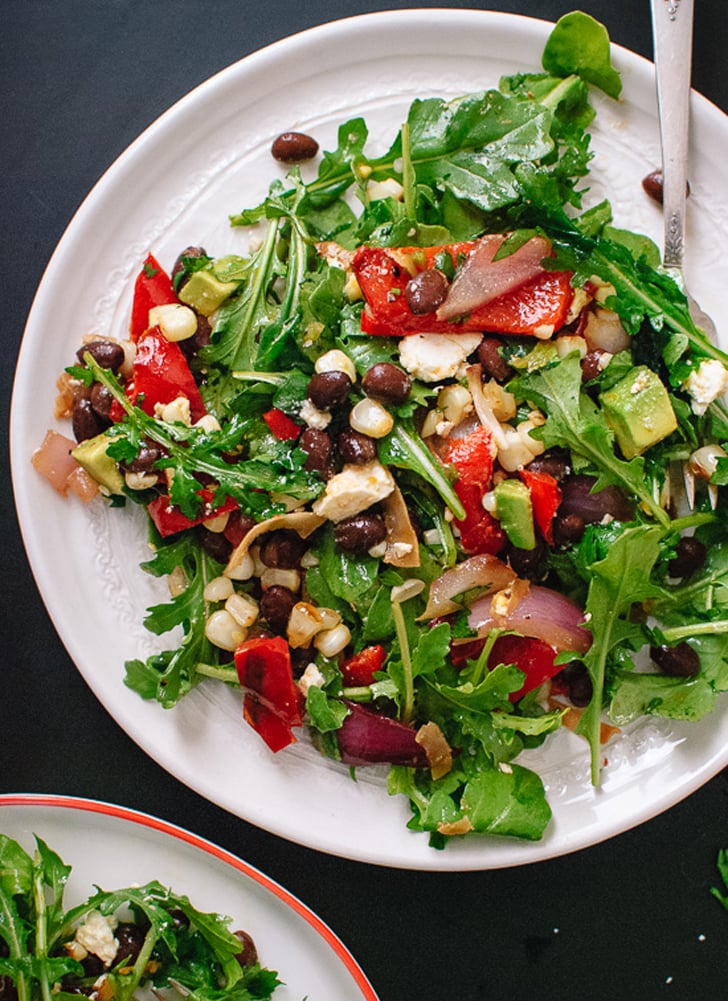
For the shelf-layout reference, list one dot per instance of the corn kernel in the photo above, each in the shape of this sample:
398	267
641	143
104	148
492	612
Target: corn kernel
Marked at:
329	642
371	418
336	361
275	577
244	570
243	609
303	624
218	589
223	631
177	322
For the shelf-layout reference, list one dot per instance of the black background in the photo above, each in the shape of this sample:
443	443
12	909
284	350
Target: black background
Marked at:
630	918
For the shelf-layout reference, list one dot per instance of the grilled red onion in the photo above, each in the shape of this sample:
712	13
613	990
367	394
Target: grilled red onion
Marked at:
480	280
482	570
539	612
367	738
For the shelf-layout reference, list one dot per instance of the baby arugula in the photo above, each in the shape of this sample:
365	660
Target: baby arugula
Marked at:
196	949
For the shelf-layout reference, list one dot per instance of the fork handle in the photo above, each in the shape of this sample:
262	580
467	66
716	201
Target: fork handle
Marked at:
672	28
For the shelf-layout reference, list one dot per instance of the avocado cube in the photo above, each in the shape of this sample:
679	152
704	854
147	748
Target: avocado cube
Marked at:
639	411
514	511
204	292
93	457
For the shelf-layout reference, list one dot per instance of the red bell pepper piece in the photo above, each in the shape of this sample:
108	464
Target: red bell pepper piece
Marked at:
161	374
281	426
272	701
541	302
532	656
545	499
153	287
472	457
168	519
359	669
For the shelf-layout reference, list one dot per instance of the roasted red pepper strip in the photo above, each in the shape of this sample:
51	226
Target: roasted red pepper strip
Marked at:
545	499
281	426
359	669
153	287
168	519
532	656
472	457
161	374
272	700
542	302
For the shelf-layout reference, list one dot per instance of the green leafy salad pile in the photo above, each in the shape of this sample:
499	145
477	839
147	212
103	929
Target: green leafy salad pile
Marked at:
435	539
116	942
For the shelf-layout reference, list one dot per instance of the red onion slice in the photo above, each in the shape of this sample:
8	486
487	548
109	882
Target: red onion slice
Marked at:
482	570
367	738
480	280
541	613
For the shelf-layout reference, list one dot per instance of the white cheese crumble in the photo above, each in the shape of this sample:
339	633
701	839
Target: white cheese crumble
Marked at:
176	412
311	678
433	357
706	383
96	935
314	417
354	489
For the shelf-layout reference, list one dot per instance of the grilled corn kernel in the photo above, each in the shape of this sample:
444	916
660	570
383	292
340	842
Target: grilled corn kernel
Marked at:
371	418
218	522
243	609
244	570
303	624
218	589
336	361
177	322
273	577
329	618
140	481
223	631
329	642
208	422
455	402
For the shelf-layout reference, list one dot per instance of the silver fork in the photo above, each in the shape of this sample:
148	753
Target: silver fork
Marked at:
672	29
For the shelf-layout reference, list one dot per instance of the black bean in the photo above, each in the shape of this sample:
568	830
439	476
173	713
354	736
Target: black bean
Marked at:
568	529
282	549
690	555
318	446
679	661
145	459
426	291
192	346
556	464
387	383
360	532
653	184
106	354
578	682
100	400
355	447
181	270
248	955
327	390
131	939
491	360
592	364
528	563
215	544
275	607
578	497
85	421
294	147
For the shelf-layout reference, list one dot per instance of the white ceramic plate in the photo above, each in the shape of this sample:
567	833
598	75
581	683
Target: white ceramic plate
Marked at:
113	847
207	157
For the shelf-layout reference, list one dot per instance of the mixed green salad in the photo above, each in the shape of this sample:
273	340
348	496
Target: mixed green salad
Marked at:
116	942
436	468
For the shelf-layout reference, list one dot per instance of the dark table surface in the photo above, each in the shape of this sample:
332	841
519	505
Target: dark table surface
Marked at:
629	918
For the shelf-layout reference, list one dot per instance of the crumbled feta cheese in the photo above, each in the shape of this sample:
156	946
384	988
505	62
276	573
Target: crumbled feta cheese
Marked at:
388	188
401	549
706	383
176	412
314	417
311	678
433	357
641	382
96	935
354	489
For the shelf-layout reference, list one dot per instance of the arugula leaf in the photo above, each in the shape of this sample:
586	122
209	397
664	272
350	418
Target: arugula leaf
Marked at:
723	870
575	421
619	580
580	44
404	448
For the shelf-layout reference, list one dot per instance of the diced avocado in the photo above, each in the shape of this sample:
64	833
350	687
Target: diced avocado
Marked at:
638	410
514	511
93	457
204	292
